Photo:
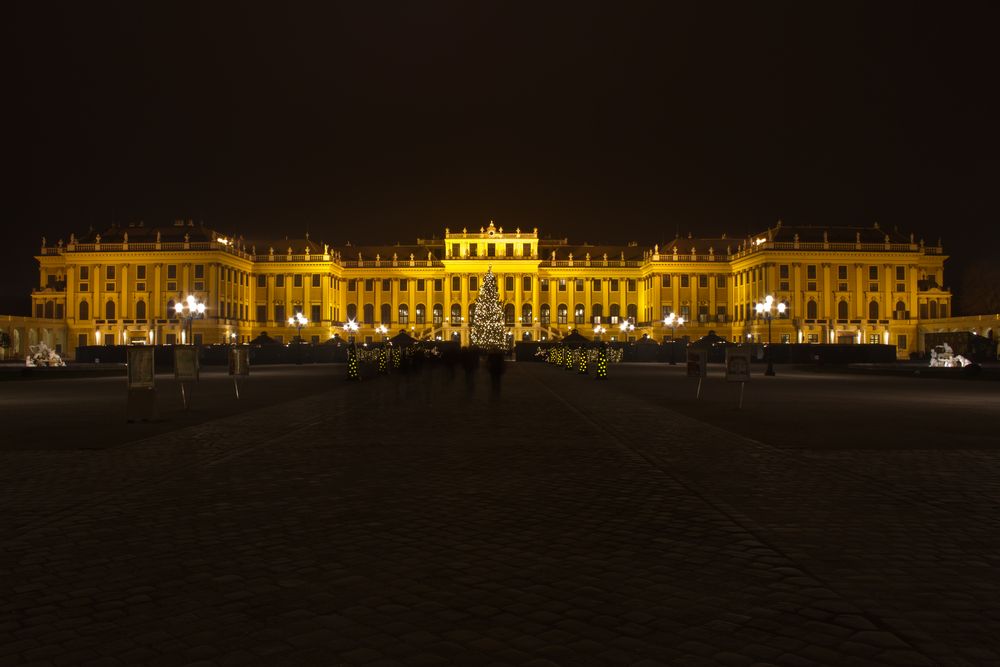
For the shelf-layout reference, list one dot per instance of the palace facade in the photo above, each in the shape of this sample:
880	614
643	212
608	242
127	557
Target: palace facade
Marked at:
839	285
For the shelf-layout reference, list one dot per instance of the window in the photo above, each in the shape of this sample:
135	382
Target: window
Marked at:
842	272
579	313
811	286
720	282
630	285
578	285
140	310
901	273
508	314
369	284
279	280
491	249
420	314
437	313
596	285
456	283
368	314
171	309
811	272
199	271
386	284
545	314
109	272
404	284
508	283
109	310
262	312
140	272
315	280
901	341
421	285
543	284
456	314
720	313
632	312
509	250
596	312
526	315
665	311
813	338
171	339
526	249
686	313
685	280
614	312
455	250
473	283
279	313
874	339
261	280
84	273
562	314
404	314
811	308
873	310
386	314
783	285
665	280
872	273
352	312
314	313
526	283
783	271
438	285
59	311
702	281
843	310
171	271
562	284
199	285
473	250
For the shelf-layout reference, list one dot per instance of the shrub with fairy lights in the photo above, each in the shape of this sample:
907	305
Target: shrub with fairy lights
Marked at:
487	317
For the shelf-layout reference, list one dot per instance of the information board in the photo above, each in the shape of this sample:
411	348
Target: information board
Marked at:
140	367
186	363
697	362
737	364
239	361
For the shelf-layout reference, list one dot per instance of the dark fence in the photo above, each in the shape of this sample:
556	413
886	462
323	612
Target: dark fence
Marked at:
796	353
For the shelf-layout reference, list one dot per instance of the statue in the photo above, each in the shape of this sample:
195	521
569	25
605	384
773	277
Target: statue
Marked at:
125	237
157	236
43	241
187	237
97	239
72	238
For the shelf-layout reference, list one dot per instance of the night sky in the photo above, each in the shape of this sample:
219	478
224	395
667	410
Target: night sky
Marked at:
381	122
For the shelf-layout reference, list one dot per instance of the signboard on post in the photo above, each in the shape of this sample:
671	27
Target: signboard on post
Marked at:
697	362
186	363
140	367
239	361
141	376
738	367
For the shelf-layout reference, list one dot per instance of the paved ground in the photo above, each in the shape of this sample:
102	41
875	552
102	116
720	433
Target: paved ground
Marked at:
569	522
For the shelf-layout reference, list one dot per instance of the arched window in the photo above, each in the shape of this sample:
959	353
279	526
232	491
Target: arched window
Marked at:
420	314
508	314
456	314
873	310
545	313
352	312
50	309
811	309
596	311
109	310
140	310
438	313
386	314
788	310
84	310
171	313
632	311
369	313
526	314
472	311
404	314
579	313
934	309
900	310
562	314
843	310
615	313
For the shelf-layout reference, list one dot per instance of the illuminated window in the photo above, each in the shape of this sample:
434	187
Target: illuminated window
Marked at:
437	313
562	314
419	314
545	314
579	313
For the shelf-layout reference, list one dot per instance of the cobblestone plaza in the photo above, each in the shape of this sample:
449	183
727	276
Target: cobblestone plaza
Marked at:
405	521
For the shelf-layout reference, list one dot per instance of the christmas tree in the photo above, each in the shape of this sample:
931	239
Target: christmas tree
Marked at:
487	318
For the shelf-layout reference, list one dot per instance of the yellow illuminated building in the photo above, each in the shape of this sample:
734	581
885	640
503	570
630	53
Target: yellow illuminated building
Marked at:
840	285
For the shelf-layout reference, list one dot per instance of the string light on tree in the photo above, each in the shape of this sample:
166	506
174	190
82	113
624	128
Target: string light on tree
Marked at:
602	362
487	316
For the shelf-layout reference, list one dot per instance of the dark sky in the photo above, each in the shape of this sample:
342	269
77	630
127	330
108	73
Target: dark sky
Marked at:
381	122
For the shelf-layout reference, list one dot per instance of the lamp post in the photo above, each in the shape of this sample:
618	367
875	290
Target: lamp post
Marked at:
188	309
765	309
598	330
626	328
298	320
673	321
384	331
352	328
